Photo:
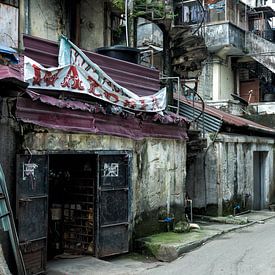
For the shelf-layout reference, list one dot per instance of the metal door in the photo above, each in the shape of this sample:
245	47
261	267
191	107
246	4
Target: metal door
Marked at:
259	159
112	205
32	210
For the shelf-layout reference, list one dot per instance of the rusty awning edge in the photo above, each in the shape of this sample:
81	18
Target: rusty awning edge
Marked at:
228	119
166	117
68	120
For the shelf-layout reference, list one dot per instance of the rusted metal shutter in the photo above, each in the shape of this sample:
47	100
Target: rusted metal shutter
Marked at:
32	210
113	205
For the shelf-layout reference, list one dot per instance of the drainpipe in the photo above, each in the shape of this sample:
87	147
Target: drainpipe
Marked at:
168	195
167	67
27	16
131	24
21	24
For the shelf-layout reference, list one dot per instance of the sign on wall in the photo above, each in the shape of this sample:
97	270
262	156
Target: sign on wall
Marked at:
78	74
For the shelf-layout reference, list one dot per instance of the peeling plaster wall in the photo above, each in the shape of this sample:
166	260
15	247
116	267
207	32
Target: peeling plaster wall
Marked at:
148	33
49	19
224	34
158	170
46	19
9	25
8	139
229	174
217	35
227	81
92	24
205	85
217	80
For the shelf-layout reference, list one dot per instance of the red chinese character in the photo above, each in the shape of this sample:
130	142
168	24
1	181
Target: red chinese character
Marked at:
111	97
72	80
50	78
155	103
143	104
93	86
131	103
37	75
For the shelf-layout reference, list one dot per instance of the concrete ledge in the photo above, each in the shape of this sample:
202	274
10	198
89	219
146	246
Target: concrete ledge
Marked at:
168	246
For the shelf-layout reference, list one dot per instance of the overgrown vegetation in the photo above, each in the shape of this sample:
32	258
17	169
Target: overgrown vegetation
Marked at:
154	9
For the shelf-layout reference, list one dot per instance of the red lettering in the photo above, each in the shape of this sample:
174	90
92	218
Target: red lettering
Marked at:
143	104
72	80
111	97
155	103
50	78
37	75
130	103
93	86
117	90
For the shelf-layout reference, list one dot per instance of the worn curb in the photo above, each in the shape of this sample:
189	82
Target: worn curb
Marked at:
189	247
171	252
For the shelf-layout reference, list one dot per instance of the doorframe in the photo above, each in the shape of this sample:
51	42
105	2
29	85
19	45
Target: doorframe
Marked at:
129	153
130	190
260	167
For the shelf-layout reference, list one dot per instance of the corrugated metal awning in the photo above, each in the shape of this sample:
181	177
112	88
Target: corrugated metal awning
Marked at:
205	122
212	119
66	119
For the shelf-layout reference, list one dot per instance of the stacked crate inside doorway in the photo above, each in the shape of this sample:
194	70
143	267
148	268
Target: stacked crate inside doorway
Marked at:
79	216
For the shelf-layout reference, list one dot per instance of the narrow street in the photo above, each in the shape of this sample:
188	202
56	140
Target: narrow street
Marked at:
248	251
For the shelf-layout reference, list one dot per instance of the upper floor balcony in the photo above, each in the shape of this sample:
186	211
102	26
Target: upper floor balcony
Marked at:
227	22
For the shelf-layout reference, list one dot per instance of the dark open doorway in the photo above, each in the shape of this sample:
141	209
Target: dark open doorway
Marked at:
72	191
259	170
75	203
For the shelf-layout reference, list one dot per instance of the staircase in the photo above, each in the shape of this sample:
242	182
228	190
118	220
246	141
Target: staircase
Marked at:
261	50
187	44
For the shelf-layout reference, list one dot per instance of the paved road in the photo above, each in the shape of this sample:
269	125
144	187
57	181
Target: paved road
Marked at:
244	252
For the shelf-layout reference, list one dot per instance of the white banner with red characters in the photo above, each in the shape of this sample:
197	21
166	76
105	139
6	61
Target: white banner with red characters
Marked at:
78	74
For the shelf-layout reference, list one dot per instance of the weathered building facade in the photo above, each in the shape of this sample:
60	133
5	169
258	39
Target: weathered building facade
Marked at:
235	170
82	178
92	174
239	37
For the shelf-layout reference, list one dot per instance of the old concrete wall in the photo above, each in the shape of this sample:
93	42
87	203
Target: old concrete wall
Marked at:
92	24
205	85
148	33
9	25
228	176
217	80
46	18
49	19
158	170
223	34
227	81
257	44
8	139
